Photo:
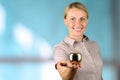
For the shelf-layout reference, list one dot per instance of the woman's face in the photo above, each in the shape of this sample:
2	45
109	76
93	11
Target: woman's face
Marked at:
76	21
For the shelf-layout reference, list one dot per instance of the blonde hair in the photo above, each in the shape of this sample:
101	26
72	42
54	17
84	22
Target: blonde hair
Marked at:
75	5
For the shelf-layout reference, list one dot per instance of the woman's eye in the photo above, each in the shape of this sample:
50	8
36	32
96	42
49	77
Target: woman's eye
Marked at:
72	19
82	19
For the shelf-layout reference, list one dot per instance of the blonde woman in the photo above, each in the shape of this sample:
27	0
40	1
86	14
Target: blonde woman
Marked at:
90	68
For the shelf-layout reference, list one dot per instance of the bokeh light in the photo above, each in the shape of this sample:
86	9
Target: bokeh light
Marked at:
2	19
23	36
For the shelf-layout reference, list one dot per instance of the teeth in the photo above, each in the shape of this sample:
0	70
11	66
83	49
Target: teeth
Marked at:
77	28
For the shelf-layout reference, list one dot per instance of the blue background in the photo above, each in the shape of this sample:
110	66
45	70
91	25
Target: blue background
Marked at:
31	28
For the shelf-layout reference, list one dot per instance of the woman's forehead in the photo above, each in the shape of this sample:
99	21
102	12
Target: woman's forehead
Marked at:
76	12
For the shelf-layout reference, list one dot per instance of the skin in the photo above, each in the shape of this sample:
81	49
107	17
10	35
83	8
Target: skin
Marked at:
76	22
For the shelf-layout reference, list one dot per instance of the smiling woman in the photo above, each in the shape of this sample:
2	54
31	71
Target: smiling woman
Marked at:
76	22
90	68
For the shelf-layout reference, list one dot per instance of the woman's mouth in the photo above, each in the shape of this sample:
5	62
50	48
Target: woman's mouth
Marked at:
77	29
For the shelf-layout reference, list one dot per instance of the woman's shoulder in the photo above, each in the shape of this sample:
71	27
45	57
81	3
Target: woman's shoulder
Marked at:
60	44
65	42
92	43
89	41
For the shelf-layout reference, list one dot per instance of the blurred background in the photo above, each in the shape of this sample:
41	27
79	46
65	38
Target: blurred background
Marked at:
29	29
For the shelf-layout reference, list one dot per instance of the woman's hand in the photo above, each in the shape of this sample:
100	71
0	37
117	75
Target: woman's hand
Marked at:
67	69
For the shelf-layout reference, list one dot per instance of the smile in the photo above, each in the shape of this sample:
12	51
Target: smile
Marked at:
77	29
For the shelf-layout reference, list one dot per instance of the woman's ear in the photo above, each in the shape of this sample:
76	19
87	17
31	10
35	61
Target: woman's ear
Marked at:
65	22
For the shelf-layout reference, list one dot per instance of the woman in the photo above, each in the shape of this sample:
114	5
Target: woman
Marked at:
90	68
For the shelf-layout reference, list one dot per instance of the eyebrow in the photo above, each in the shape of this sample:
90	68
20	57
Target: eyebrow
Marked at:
80	17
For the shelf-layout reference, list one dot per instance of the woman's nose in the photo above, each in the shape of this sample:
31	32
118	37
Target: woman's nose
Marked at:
78	23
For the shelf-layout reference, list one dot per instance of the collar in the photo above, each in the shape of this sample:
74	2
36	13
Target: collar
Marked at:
71	41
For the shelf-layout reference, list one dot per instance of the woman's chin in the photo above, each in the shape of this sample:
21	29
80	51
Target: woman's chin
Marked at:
78	35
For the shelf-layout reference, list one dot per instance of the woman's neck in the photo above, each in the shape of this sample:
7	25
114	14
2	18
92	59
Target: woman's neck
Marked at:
76	38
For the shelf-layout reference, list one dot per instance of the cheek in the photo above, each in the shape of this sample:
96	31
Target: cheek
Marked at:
69	25
84	25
